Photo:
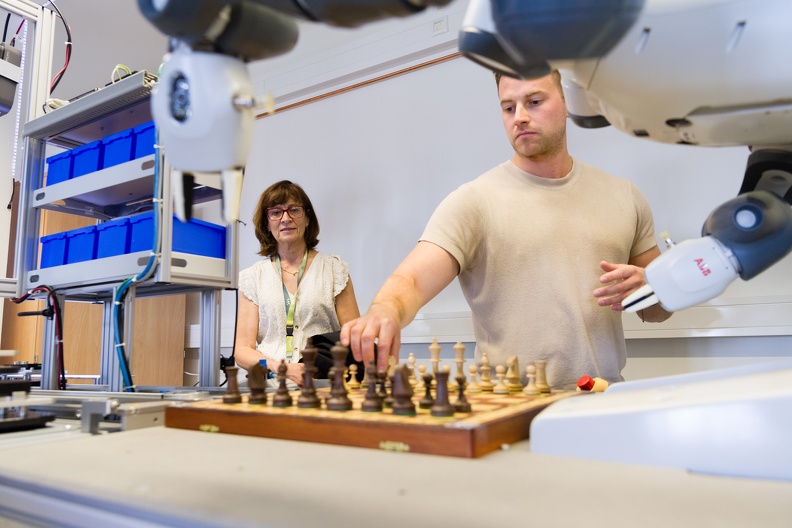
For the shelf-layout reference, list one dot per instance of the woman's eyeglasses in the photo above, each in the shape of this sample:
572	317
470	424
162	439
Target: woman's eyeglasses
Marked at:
276	213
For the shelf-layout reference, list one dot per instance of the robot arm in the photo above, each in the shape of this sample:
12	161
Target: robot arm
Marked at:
700	72
204	103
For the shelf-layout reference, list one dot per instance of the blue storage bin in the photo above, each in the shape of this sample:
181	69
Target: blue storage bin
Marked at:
81	244
144	139
118	148
53	250
59	168
199	238
112	238
141	232
195	237
87	158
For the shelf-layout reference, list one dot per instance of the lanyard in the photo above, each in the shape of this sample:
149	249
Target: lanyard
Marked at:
290	305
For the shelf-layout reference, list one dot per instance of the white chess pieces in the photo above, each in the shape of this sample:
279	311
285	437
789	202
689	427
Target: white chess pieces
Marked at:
419	385
513	374
500	387
459	359
541	376
486	381
411	367
473	387
434	357
530	388
353	382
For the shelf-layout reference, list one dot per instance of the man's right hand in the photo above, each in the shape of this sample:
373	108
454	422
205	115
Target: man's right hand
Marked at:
378	325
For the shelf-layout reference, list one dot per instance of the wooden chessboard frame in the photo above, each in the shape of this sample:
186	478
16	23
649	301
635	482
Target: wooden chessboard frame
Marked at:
494	421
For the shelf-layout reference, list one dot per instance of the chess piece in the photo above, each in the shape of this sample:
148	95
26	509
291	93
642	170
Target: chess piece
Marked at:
428	400
353	383
442	407
461	405
372	403
390	372
308	398
338	400
232	390
530	388
459	359
402	392
473	387
366	380
282	397
387	401
500	387
257	383
513	374
382	392
452	384
541	376
411	366
486	381
434	355
419	383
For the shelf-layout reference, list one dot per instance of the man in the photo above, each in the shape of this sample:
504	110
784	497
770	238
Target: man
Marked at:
529	240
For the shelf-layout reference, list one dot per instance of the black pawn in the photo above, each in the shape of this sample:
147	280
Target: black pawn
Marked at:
372	403
461	405
442	407
232	390
282	397
428	400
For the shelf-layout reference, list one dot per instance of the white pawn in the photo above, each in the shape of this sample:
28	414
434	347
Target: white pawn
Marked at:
531	389
486	382
353	382
473	387
411	367
500	387
420	385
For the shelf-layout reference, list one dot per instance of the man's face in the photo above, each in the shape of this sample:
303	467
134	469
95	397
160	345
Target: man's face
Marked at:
534	115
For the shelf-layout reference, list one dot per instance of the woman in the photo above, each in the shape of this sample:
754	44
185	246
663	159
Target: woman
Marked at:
294	290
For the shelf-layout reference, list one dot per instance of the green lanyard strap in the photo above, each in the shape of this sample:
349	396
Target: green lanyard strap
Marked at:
290	305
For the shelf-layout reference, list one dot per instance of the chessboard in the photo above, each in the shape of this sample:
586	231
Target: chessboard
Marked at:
494	421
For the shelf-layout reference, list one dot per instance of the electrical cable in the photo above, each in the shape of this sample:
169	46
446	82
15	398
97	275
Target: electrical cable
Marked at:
13	40
144	274
53	304
58	76
5	30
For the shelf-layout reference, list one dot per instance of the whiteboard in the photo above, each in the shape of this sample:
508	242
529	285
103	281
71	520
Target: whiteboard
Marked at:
377	160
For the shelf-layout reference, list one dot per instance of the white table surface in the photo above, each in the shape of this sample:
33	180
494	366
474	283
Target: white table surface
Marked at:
164	476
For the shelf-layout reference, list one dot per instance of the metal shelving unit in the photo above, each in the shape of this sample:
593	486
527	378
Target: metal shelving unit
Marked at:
117	191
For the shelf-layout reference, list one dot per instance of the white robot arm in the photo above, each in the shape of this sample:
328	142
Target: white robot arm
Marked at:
698	72
204	103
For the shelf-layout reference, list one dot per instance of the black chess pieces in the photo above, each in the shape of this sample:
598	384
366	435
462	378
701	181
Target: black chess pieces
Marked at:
257	382
232	390
282	397
338	400
428	400
373	402
442	407
402	392
461	405
308	398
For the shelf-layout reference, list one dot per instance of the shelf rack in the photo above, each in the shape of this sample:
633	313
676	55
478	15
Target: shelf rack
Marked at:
116	191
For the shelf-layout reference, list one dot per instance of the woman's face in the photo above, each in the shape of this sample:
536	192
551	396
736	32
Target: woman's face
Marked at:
287	222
